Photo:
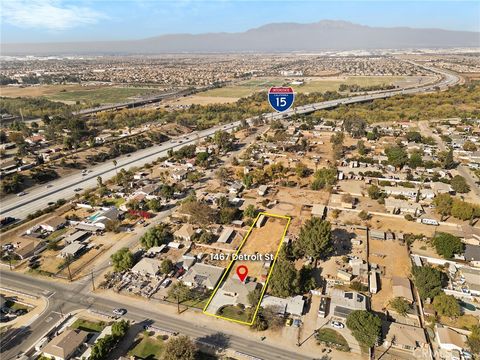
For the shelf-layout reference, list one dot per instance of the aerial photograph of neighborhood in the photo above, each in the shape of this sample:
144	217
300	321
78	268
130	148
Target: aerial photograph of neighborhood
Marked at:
239	180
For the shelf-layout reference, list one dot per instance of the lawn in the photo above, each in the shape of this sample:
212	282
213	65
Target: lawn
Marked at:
16	306
148	348
248	87
198	299
90	326
234	312
332	337
56	234
115	202
102	95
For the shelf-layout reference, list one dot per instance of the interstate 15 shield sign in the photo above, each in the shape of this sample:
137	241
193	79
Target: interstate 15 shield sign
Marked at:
281	97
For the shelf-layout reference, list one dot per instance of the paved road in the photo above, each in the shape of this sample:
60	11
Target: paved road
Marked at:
38	197
70	297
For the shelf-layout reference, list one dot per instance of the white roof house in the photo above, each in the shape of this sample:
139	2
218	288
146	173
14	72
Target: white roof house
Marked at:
203	275
147	266
449	339
292	305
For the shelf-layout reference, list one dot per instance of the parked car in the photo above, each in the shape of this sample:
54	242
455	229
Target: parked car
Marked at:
49	186
119	312
77	189
289	322
165	283
21	193
297	322
337	324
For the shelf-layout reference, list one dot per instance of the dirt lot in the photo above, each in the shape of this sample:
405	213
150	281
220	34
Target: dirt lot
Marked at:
264	240
393	258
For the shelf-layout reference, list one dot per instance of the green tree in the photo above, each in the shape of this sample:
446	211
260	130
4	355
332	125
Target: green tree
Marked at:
463	210
180	292
469	146
283	282
459	184
365	327
324	177
446	305
301	170
473	340
122	259
315	239
397	156
446	159
415	160
156	236
447	245
120	328
414	136
166	266
250	211
443	205
362	150
254	297
180	348
154	205
428	281
202	159
400	305
374	192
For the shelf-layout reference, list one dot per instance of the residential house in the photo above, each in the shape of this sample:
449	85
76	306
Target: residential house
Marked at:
396	206
441	188
262	190
404	337
401	191
78	236
402	288
53	224
147	266
25	247
344	302
72	250
225	235
64	346
203	275
239	290
319	210
449	339
186	232
293	306
472	279
472	254
179	175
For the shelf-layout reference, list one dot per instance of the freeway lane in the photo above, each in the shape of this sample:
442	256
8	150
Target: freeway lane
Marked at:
38	197
70	297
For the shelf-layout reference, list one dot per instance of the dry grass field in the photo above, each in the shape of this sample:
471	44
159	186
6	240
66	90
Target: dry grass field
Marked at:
393	258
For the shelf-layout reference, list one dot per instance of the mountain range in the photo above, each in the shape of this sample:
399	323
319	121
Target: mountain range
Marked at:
278	37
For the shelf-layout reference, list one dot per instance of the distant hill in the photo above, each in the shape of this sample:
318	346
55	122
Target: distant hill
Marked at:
279	37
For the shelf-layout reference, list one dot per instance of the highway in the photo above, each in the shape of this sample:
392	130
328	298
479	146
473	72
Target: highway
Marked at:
64	298
38	197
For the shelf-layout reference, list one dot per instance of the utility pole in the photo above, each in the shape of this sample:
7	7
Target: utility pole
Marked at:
68	267
93	282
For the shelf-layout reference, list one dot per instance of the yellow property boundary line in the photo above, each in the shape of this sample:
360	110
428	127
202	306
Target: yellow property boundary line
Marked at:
264	288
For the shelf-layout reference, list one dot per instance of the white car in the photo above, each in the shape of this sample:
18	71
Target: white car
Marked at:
21	193
337	324
165	283
119	312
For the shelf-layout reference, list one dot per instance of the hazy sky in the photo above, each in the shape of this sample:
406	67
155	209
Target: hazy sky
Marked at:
59	20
